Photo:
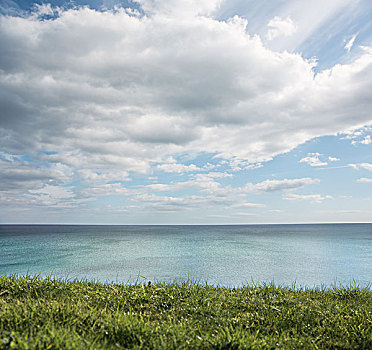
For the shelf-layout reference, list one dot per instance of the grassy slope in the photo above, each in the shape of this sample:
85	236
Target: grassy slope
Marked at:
47	313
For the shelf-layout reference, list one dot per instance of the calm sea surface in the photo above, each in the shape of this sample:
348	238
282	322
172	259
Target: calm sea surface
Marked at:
310	255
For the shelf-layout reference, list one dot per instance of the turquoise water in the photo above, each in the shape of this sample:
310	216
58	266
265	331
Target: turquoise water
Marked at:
310	255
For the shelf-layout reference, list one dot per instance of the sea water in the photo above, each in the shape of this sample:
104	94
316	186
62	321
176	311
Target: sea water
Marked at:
232	255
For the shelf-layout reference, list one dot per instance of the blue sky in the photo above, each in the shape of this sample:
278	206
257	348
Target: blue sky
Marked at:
185	112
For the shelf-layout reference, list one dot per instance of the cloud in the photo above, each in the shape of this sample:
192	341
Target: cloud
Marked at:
237	164
313	160
18	176
350	43
355	135
315	198
365	180
171	166
170	203
211	200
280	27
105	190
103	95
209	193
366	141
281	185
248	205
365	166
245	214
180	8
51	195
106	176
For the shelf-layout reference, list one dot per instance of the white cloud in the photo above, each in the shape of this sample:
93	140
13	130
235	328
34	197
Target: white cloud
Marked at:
53	191
105	176
366	141
210	194
217	175
170	203
245	214
104	190
248	205
315	198
281	185
366	166
171	166
355	135
280	27
350	43
313	160
177	168
45	9
18	176
313	24
212	199
51	195
237	164
180	8
333	159
160	187
365	180
206	183
109	93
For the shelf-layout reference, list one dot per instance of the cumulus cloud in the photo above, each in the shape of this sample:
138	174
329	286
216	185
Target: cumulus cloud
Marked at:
53	196
280	27
101	95
237	164
359	135
223	198
281	185
366	141
105	190
365	166
171	166
212	193
180	8
313	160
19	176
209	193
248	205
315	198
89	175
111	88
365	180
171	203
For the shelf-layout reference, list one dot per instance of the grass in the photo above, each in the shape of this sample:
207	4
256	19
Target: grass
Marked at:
37	313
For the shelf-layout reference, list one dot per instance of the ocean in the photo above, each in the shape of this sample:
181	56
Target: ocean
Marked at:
310	256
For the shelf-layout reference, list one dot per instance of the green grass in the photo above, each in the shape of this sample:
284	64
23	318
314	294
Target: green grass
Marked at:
53	314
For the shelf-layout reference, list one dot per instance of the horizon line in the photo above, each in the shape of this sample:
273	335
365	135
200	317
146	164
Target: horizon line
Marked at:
231	224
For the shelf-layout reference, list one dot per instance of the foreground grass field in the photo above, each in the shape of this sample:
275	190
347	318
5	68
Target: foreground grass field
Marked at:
52	314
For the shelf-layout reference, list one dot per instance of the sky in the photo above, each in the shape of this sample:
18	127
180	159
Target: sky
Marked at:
185	112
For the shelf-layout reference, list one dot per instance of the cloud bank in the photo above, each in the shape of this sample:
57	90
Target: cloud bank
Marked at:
279	26
95	96
100	88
